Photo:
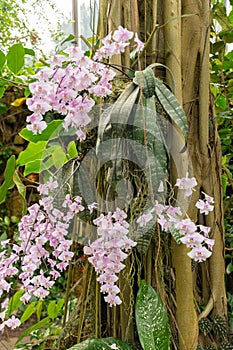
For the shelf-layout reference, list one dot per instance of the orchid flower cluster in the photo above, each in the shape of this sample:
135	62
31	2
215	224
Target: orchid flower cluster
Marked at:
108	251
42	252
184	230
71	80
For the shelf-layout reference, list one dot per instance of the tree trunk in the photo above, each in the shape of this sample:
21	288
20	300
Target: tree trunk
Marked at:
183	46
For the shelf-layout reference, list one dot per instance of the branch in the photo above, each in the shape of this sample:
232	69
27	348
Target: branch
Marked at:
207	310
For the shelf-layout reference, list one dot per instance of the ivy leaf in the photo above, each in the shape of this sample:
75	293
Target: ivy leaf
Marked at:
151	319
32	152
15	58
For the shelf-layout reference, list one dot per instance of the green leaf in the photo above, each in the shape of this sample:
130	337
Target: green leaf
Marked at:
226	36
60	304
221	102
151	319
8	175
54	308
2	91
216	47
36	157
59	157
22	191
143	236
101	344
155	154
31	308
219	13
3	108
27	93
51	309
29	52
69	38
32	152
72	149
229	268
41	324
227	64
81	346
14	302
38	166
15	58
146	80
2	59
230	16
171	106
39	309
52	131
106	344
176	234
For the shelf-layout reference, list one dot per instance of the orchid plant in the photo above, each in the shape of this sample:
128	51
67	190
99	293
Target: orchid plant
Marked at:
68	85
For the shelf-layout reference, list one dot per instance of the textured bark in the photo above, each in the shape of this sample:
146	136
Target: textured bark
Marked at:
183	46
187	325
204	147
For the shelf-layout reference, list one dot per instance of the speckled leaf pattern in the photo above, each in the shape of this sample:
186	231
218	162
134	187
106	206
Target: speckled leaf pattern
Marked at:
101	344
81	346
151	319
171	106
143	238
147	131
146	80
176	234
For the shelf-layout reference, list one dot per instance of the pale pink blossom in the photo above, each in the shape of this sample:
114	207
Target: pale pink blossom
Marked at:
204	206
41	293
186	226
186	184
144	219
209	242
122	34
199	254
139	44
208	198
113	300
205	230
2	315
12	322
192	239
37	127
92	206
